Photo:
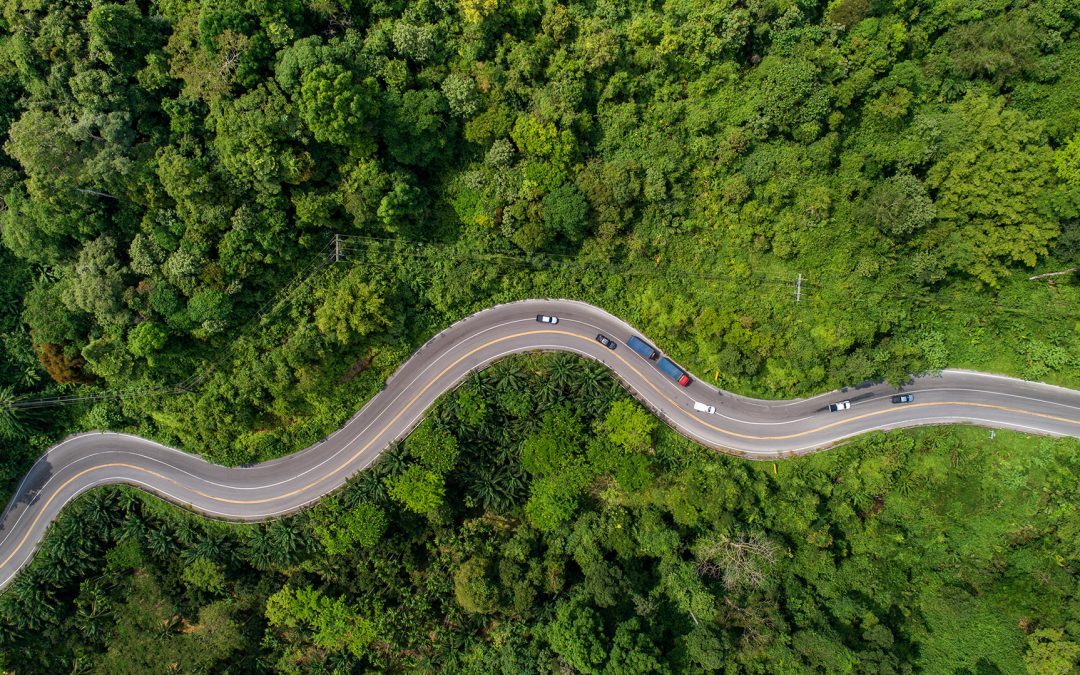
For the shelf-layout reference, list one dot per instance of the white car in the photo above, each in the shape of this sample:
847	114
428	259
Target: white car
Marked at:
842	405
544	318
701	407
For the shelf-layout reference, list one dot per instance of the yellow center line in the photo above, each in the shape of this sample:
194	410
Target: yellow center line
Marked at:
69	481
431	383
844	420
382	431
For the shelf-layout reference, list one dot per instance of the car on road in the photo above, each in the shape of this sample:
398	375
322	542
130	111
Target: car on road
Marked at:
606	341
842	405
903	398
705	408
544	318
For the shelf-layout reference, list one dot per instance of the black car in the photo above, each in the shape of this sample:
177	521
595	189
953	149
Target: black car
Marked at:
903	398
610	344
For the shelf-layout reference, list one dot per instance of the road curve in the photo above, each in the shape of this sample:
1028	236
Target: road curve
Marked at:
749	427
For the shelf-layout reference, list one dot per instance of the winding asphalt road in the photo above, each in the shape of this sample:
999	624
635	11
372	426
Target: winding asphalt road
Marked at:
748	427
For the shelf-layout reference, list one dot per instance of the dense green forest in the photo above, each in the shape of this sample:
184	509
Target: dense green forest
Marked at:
172	178
540	521
170	168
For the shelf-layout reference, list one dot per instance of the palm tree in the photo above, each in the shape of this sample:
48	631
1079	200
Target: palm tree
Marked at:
509	453
99	512
128	500
338	662
368	487
515	482
506	434
65	551
592	387
483	485
210	546
508	378
287	541
92	611
11	427
133	528
186	533
563	369
260	548
159	541
549	393
480	384
28	603
391	463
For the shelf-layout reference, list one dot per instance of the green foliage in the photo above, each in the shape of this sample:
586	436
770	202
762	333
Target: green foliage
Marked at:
548	149
96	283
417	489
935	550
351	308
554	445
629	426
473	589
260	140
1049	652
565	212
147	338
633	653
340	529
434	447
334	624
179	169
205	575
147	638
576	635
335	108
988	189
554	499
900	206
168	175
461	95
1067	161
11	427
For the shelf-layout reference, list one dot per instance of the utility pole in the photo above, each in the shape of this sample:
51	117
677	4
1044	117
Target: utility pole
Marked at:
798	288
337	248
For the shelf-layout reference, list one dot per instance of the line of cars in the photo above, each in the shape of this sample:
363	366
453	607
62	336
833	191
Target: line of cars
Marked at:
846	405
644	349
669	368
666	365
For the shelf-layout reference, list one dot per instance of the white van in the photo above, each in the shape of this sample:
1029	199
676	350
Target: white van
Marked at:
701	407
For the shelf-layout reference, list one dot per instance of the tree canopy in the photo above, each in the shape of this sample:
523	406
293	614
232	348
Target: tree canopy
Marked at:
224	225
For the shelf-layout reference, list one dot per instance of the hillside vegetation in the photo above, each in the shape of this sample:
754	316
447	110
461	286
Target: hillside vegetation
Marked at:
172	178
168	169
541	521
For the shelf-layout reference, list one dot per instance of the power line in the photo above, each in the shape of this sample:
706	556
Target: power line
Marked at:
268	308
535	260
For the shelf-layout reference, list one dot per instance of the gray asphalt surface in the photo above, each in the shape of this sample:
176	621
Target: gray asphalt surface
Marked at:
752	428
